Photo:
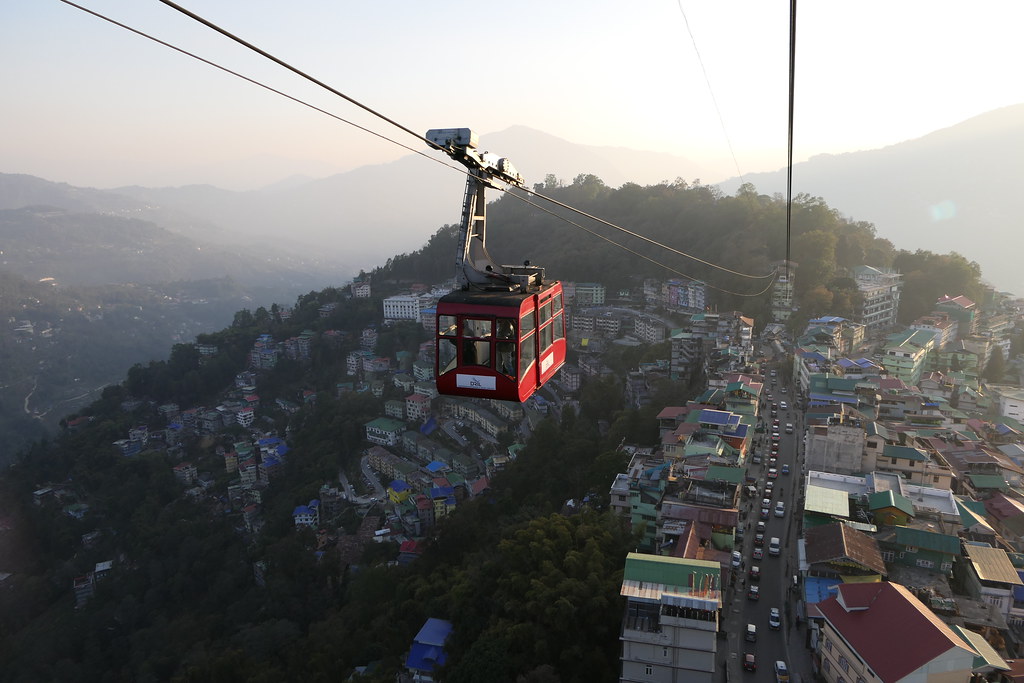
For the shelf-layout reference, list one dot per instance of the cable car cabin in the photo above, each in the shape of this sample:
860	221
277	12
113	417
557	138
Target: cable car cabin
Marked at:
501	345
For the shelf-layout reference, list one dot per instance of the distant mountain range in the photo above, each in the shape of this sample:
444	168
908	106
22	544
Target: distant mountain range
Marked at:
957	189
951	190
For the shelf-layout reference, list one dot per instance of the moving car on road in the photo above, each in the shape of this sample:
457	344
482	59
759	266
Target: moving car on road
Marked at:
775	619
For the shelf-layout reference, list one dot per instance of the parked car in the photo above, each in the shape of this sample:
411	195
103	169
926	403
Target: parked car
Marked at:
761	527
737	559
749	662
758	554
773	473
754	593
755	573
759	539
775	619
781	672
766	513
751	635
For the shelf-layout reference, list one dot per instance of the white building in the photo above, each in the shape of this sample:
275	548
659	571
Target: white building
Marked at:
880	291
402	307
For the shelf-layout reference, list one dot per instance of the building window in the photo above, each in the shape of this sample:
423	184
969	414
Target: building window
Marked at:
946	566
827	665
911	549
649	670
888	555
664	652
828	645
926	564
844	663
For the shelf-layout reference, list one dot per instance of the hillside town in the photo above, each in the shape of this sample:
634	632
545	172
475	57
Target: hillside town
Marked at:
823	484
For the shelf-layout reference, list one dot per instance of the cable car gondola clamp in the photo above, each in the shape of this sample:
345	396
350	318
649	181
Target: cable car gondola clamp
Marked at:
501	333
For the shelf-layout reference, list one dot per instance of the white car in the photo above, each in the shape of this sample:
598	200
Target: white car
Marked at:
780	509
737	559
775	619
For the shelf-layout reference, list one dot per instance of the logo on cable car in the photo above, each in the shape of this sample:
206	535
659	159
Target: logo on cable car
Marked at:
546	362
475	382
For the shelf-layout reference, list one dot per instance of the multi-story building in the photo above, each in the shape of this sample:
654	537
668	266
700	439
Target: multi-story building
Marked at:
417	407
989	575
385	431
837	446
589	294
689	296
943	327
402	307
361	289
880	297
649	330
905	355
782	291
669	630
961	309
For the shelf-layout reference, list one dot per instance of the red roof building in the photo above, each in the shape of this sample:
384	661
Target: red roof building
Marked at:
880	631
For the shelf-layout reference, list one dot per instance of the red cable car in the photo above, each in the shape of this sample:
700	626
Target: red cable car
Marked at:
502	333
502	345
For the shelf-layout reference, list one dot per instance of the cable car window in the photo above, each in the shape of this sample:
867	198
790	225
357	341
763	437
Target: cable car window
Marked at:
526	324
545	337
446	355
559	328
507	358
474	327
527	354
506	328
476	352
545	312
556	303
447	325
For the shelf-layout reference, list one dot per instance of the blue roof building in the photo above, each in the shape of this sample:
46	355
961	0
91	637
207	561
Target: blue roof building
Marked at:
427	651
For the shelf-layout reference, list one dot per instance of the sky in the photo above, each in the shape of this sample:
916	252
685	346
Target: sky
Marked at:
91	104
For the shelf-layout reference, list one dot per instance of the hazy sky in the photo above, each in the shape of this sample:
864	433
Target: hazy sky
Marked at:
91	104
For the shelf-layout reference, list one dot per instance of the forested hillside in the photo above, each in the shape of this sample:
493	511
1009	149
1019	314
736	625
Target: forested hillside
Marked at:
745	233
194	595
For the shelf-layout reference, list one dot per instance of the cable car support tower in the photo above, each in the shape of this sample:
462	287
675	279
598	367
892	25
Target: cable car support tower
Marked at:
474	267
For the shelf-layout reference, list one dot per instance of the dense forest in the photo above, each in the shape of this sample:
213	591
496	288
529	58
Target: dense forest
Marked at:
532	591
744	233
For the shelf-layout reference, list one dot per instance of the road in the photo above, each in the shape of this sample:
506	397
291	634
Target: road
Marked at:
776	583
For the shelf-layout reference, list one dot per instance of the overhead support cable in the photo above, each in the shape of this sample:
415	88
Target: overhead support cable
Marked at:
772	275
789	145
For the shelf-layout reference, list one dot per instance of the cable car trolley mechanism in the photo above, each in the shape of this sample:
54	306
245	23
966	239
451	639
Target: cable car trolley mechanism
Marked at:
501	333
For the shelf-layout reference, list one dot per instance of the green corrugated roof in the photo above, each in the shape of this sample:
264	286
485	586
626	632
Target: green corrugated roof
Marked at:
734	475
988	481
668	571
890	499
986	654
903	452
928	540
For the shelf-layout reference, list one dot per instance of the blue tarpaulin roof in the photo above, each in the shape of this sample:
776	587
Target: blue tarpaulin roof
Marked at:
427	651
